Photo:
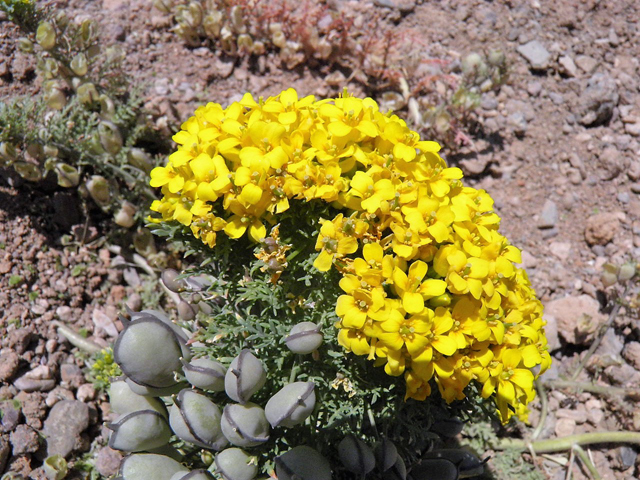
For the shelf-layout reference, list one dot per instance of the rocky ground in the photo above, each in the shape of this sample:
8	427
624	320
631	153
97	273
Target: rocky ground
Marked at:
558	149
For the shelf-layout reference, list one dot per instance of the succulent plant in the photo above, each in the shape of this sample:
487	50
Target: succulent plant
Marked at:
205	373
245	376
148	351
466	462
151	391
139	431
195	418
236	464
143	466
291	405
302	463
435	469
305	337
356	456
397	472
123	400
55	467
245	425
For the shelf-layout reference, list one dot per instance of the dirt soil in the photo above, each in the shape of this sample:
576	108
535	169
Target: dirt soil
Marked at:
558	148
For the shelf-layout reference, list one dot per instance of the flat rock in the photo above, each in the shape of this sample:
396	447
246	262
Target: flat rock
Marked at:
567	66
536	54
27	384
62	428
565	427
578	317
586	63
578	416
601	228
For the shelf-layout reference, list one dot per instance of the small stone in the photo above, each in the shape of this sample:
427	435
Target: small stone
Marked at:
577	317
625	457
549	215
578	416
71	375
631	354
518	123
560	250
10	417
623	197
567	66
632	129
86	392
24	440
475	166
551	332
19	340
597	101
601	228
9	363
536	54
565	427
595	416
533	88
624	375
586	63
108	461
104	323
30	385
62	428
404	6
58	394
556	98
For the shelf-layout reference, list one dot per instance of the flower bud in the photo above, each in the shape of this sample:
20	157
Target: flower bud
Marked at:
386	454
87	33
278	39
148	351
110	137
291	405
205	373
140	430
236	464
212	24
608	279
55	467
244	377
471	63
28	171
237	20
54	97
143	242
305	337
169	278
107	110
46	35
196	419
67	175
144	466
99	189
140	159
356	456
245	425
180	334
79	64
7	152
87	93
496	58
125	216
302	463
627	271
154	392
124	401
165	6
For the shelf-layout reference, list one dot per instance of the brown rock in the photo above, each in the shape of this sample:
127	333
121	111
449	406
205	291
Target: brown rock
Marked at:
108	461
601	228
631	354
565	427
8	366
578	318
24	440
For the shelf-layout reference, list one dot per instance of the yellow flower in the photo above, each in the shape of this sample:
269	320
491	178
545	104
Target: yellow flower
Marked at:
334	244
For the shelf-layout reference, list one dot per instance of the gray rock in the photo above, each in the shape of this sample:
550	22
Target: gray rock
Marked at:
567	66
549	215
27	384
534	88
24	439
579	416
556	98
551	332
624	375
536	54
518	123
9	363
62	428
631	353
405	6
623	197
597	101
632	129
71	375
560	250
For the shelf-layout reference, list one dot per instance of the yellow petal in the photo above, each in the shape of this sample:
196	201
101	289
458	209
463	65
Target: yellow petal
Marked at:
323	261
235	228
257	231
251	193
412	302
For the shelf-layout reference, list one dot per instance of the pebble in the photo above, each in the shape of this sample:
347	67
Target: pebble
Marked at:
565	427
578	416
71	375
26	384
598	100
549	215
601	228
586	63
534	88
551	332
631	354
567	66
560	250
9	362
108	461
518	122
58	394
10	417
536	54
556	98
86	392
24	439
595	416
62	428
623	197
632	129
578	317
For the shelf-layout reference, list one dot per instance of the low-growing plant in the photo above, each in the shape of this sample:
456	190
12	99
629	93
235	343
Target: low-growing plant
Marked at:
86	129
348	289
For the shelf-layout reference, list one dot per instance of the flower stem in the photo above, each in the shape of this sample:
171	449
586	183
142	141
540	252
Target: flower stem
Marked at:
587	462
566	443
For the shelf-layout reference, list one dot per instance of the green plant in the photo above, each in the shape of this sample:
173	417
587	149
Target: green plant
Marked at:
86	129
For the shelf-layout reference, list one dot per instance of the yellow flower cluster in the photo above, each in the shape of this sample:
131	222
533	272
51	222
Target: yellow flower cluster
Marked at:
430	286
